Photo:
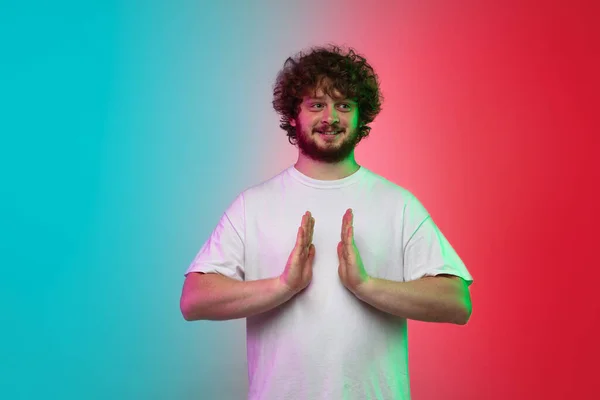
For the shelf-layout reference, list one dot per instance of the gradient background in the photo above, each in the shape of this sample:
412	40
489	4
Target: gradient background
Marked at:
127	128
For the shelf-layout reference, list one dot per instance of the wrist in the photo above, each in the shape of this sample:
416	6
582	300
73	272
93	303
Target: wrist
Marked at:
282	289
365	288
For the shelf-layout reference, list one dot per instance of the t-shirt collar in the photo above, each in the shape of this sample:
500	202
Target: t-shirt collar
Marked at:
329	184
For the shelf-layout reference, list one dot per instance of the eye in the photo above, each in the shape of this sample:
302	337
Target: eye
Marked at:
345	106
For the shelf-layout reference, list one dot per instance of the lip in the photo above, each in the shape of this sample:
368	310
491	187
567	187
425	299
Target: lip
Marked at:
322	132
329	138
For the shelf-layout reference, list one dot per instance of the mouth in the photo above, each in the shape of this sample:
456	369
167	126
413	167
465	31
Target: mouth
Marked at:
329	132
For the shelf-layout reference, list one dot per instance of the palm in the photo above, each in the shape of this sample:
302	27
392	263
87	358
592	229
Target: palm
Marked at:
298	270
351	269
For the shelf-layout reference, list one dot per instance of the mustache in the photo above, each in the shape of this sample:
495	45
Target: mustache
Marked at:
334	127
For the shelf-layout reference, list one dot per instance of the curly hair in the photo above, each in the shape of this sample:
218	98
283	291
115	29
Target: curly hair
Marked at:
333	68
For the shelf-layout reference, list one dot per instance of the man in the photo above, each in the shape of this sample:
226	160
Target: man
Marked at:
328	320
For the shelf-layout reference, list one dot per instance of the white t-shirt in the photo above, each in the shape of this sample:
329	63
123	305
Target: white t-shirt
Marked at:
325	343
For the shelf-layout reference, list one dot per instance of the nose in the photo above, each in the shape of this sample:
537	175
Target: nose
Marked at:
330	115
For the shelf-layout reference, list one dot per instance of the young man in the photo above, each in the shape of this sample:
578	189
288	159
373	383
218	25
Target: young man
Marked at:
327	260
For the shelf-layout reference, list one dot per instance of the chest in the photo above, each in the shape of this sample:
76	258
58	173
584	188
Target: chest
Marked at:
271	230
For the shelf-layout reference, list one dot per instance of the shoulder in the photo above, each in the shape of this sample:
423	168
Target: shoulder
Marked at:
263	191
267	186
382	186
391	195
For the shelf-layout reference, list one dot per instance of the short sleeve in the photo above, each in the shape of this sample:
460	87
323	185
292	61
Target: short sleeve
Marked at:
223	252
427	252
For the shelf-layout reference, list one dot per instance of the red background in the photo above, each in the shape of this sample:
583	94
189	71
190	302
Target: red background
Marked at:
490	119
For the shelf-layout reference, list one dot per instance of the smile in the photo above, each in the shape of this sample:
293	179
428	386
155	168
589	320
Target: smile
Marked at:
332	133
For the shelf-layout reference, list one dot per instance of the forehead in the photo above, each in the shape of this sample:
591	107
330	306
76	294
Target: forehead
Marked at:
325	92
324	87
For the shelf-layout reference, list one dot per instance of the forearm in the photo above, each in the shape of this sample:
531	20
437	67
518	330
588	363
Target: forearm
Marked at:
217	297
430	299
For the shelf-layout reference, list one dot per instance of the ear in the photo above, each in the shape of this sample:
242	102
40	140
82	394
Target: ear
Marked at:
293	122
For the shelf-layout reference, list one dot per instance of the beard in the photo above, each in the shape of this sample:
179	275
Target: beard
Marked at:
311	145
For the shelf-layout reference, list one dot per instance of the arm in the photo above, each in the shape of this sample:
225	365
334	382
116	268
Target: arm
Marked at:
216	297
443	298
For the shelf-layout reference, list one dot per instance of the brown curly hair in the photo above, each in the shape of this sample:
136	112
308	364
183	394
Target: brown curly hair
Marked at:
330	66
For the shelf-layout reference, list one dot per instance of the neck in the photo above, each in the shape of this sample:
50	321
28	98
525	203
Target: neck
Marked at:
326	171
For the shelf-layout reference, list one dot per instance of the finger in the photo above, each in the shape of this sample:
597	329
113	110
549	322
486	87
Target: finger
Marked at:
348	224
347	253
342	267
340	251
342	234
299	237
307	270
305	220
312	230
311	253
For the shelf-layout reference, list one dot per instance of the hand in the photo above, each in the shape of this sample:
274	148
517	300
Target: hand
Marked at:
298	270
351	269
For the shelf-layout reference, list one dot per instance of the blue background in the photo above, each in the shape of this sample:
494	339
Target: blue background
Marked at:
127	128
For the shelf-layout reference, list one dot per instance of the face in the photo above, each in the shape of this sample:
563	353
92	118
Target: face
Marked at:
326	127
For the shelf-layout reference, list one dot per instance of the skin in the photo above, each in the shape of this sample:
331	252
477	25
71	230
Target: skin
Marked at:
298	270
443	298
326	158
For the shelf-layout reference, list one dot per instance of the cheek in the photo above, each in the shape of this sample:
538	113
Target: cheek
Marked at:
350	119
311	123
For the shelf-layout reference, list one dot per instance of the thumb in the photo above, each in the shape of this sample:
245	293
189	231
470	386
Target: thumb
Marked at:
311	253
340	251
342	264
